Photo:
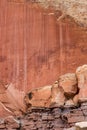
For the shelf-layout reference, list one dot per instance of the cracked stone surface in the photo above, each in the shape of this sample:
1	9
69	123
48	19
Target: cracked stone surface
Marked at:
54	118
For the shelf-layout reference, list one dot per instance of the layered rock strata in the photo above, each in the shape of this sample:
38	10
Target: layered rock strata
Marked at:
52	107
42	118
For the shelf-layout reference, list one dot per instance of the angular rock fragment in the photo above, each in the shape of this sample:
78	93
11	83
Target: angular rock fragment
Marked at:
69	84
57	97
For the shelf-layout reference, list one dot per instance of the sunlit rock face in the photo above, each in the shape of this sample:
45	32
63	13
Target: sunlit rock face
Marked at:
39	97
35	48
69	84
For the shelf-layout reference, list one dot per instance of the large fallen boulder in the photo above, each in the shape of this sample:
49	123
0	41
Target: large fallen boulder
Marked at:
39	97
47	96
69	84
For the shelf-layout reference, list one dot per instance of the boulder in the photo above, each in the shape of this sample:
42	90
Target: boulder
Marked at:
69	84
83	94
39	97
57	97
81	74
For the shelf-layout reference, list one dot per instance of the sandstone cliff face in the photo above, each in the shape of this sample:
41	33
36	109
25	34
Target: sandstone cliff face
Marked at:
55	107
37	45
76	9
34	47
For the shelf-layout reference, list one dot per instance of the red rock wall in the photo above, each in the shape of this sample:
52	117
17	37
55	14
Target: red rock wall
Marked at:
34	47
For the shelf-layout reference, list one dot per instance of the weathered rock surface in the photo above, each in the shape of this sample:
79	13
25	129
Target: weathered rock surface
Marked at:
81	73
81	125
39	97
12	101
53	107
56	118
57	95
76	9
69	84
69	103
52	47
69	90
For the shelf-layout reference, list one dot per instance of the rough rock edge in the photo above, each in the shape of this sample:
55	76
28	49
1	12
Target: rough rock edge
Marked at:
75	9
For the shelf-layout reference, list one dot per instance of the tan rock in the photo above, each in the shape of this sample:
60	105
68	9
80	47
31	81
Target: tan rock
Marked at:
12	100
69	103
81	74
57	97
72	128
83	94
39	97
81	125
76	99
76	9
69	84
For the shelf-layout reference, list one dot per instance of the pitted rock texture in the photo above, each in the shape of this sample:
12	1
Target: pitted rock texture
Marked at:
76	9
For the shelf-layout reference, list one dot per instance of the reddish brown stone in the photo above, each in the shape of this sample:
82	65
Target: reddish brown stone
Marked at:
12	101
40	48
81	73
39	97
69	84
34	48
83	94
57	96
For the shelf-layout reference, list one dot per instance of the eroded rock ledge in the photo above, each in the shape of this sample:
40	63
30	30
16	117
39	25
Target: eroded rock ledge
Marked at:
54	107
64	103
41	118
69	90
